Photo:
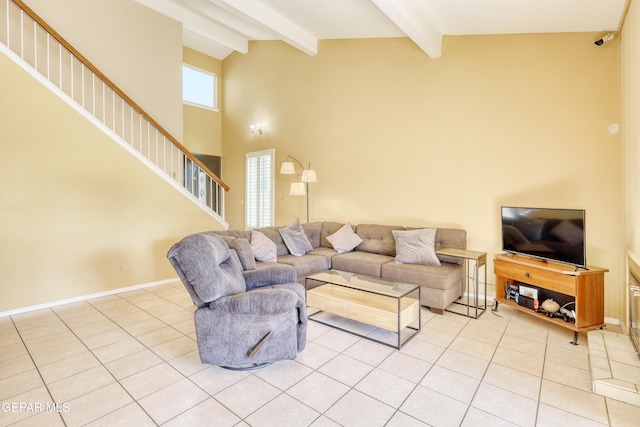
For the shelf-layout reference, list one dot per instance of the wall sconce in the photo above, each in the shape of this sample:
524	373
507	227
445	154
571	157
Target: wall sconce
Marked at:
299	188
256	128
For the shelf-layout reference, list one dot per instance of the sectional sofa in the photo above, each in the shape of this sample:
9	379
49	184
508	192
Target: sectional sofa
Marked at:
441	279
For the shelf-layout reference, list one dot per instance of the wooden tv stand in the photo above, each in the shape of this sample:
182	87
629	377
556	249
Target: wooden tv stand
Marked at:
586	286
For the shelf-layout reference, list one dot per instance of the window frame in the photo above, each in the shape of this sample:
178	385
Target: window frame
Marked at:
215	88
259	201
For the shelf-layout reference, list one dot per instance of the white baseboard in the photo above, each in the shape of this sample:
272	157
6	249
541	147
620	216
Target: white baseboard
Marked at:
84	297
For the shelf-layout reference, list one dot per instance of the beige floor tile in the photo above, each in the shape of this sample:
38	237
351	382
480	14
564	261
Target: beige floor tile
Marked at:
127	416
523	345
203	414
84	331
33	319
189	363
105	338
57	353
321	421
178	316
345	369
117	350
424	350
15	366
524	328
215	379
43	331
168	309
625	372
369	352
434	408
515	381
135	315
171	401
568	375
315	330
549	416
316	355
386	387
67	367
247	395
49	419
128	309
151	380
436	336
568	357
407	367
96	404
159	336
572	400
150	303
478	418
622	414
473	347
175	348
133	363
12	351
318	391
470	366
87	319
283	411
450	383
24	406
53	340
627	357
146	326
76	385
527	363
20	383
186	327
284	374
401	419
356	408
480	332
337	340
504	404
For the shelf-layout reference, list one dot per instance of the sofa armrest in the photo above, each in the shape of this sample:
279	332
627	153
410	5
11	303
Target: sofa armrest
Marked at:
267	274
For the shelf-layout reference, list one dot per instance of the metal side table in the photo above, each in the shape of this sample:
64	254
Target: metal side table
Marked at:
471	305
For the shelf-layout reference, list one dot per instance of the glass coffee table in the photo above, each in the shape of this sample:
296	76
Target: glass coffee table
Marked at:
371	300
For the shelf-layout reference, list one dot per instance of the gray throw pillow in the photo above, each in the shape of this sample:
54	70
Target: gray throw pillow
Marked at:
345	239
264	249
416	246
295	239
245	253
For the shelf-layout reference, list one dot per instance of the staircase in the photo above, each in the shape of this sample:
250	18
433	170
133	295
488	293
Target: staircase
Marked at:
42	52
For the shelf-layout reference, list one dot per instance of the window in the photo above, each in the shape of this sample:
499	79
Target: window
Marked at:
198	87
259	194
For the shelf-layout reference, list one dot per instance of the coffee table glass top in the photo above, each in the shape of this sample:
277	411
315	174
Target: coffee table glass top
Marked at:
365	283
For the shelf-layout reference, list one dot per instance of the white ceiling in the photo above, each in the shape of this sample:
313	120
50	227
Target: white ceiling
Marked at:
219	27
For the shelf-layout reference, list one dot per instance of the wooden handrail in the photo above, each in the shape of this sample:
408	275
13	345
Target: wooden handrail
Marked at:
116	89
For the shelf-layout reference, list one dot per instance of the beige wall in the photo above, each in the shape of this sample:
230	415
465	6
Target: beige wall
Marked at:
137	48
203	127
399	138
630	77
74	204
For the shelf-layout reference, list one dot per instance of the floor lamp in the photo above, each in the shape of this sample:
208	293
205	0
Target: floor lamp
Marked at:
299	188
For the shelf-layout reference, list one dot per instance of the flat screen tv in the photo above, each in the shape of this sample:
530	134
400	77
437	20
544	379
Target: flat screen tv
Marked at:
549	234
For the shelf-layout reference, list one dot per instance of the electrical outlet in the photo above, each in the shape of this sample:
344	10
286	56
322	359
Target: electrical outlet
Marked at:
120	268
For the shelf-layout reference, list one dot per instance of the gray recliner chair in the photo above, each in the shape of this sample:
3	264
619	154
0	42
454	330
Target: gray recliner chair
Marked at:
242	320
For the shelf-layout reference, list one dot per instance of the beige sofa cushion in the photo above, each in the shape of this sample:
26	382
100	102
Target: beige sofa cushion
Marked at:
306	265
440	277
377	239
360	262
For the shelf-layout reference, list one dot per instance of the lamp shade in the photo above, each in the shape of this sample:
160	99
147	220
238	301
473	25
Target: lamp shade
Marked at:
286	168
297	189
309	175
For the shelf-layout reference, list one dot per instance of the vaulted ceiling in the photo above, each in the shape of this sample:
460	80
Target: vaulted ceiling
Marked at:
219	27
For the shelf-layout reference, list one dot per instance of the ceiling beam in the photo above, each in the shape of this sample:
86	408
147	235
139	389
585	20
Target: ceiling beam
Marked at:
289	31
411	19
199	25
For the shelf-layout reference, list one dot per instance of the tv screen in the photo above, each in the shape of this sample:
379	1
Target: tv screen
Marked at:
551	234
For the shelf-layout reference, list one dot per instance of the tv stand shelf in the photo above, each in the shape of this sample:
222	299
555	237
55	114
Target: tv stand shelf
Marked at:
586	286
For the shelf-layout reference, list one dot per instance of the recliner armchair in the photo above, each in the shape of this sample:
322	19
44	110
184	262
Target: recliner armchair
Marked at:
242	320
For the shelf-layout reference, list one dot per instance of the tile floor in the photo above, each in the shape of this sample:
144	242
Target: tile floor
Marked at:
131	359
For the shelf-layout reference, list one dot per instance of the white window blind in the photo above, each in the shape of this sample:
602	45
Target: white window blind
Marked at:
259	182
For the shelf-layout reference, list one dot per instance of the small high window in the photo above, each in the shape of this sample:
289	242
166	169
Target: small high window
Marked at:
198	87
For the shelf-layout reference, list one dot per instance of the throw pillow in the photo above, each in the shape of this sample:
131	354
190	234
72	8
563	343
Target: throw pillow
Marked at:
345	239
264	249
416	246
295	239
245	253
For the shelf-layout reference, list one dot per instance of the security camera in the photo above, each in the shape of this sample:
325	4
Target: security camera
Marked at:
604	39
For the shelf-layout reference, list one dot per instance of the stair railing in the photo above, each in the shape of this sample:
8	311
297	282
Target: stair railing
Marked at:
25	34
